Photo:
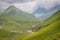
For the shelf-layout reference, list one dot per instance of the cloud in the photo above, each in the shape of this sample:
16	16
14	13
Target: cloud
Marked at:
16	1
30	5
39	15
3	5
27	7
33	5
48	4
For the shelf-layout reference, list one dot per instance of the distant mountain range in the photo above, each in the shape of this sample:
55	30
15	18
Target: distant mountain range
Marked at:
43	13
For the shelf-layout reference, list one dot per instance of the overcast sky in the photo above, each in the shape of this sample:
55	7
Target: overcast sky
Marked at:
29	5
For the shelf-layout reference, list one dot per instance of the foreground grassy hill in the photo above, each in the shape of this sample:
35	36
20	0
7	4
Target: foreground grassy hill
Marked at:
51	32
16	21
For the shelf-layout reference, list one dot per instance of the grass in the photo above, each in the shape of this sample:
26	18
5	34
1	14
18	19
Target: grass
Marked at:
45	33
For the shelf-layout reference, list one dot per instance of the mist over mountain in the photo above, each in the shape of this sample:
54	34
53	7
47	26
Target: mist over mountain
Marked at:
43	13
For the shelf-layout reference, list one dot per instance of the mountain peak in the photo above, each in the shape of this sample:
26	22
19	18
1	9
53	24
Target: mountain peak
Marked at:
11	7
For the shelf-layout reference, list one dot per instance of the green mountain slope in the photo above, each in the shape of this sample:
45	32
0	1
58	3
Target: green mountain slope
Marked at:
51	32
17	21
13	16
16	14
52	19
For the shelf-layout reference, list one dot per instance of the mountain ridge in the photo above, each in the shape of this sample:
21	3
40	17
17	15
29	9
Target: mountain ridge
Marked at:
17	21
